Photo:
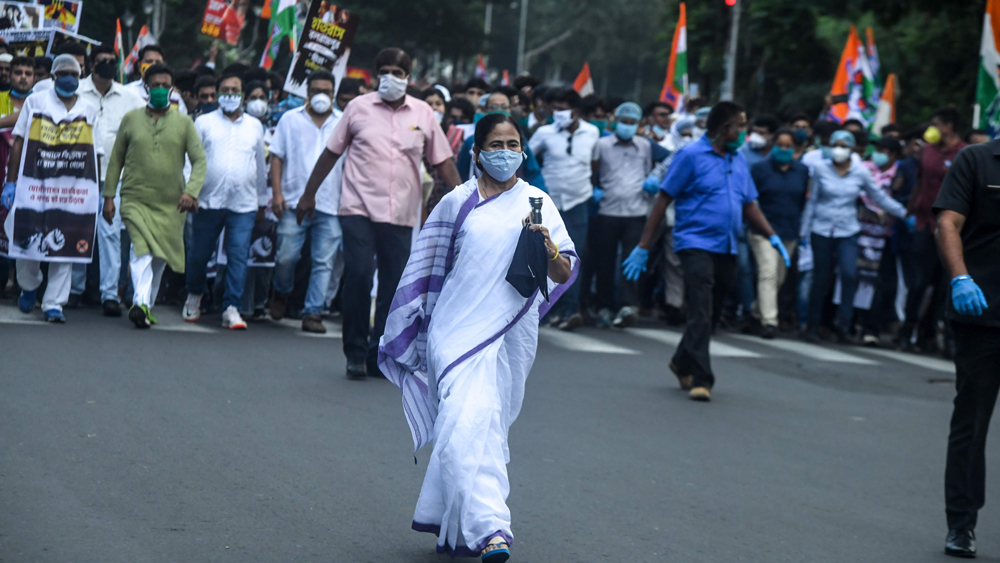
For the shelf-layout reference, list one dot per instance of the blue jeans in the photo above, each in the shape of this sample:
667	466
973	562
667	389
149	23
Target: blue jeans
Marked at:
206	226
325	233
576	220
109	241
828	252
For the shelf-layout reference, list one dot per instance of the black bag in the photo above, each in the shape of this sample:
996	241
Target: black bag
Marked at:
529	270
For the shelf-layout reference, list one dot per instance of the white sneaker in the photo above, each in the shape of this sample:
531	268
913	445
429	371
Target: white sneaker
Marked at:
231	319
192	308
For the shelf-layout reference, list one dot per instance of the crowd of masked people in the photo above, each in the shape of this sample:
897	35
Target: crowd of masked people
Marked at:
342	185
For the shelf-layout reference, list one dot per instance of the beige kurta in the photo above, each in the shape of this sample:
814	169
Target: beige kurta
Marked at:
151	154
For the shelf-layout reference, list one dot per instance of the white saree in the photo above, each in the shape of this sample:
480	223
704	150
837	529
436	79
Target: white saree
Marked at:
459	342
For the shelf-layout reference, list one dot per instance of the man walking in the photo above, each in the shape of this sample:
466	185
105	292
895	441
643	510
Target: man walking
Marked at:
235	187
389	134
711	184
297	145
112	100
151	145
968	239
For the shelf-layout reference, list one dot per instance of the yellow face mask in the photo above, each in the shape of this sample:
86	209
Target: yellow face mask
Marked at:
143	67
932	135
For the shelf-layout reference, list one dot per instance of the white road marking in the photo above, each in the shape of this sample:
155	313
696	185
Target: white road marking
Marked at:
809	350
715	349
580	343
935	364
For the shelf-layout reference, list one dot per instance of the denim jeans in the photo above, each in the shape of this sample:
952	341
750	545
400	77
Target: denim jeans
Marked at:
324	236
206	227
109	242
828	252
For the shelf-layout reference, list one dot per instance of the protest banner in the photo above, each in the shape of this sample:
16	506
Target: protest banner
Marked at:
54	216
61	14
325	45
29	42
20	15
361	74
223	20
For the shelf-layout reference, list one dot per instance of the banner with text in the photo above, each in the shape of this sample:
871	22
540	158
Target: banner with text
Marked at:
222	20
61	14
20	15
325	45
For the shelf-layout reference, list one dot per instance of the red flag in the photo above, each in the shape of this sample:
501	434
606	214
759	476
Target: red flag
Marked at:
583	84
481	68
505	81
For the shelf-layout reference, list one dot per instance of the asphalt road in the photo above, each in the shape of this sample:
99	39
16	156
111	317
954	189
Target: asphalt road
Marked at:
187	443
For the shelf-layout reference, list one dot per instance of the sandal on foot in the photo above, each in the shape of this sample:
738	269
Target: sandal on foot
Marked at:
494	553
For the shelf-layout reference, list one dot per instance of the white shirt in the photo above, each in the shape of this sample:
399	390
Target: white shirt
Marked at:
566	171
111	108
236	177
299	143
48	103
139	87
43	85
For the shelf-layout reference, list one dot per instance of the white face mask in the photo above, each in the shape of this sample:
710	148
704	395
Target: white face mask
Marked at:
562	118
756	141
391	88
230	102
438	115
257	108
320	103
840	154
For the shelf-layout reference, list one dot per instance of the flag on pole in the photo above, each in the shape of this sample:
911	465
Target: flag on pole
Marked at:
876	66
853	85
481	68
265	12
119	51
885	113
676	84
284	23
583	84
987	113
505	81
145	38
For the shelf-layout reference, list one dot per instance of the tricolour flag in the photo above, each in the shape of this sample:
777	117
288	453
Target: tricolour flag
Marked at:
120	51
481	67
676	84
145	38
284	23
886	111
583	84
987	111
854	83
876	66
505	81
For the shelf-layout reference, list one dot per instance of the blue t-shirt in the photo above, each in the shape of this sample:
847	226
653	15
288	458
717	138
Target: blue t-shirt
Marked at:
781	195
710	191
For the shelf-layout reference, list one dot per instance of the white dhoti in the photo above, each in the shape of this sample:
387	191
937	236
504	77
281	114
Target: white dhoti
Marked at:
29	278
146	273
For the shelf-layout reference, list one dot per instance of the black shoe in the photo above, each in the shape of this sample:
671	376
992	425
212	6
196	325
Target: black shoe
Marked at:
843	337
74	301
960	543
112	308
769	332
812	336
356	371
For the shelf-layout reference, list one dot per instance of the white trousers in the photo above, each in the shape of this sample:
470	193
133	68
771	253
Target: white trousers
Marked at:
146	273
29	277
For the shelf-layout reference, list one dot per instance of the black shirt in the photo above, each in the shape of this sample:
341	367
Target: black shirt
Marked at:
972	189
781	195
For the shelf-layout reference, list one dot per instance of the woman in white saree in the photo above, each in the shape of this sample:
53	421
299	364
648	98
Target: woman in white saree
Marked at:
460	341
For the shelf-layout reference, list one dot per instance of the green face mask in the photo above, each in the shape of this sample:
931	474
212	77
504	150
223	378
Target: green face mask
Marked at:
601	124
733	146
159	98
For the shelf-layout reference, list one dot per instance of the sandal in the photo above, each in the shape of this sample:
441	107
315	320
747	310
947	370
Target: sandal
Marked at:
494	553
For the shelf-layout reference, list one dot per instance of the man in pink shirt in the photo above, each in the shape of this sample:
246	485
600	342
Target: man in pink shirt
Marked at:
384	136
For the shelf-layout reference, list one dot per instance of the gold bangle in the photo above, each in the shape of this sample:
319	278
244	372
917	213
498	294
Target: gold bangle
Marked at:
556	257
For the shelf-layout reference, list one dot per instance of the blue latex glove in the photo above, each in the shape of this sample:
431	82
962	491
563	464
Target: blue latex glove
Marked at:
598	194
967	297
804	242
652	184
911	223
780	247
635	264
7	197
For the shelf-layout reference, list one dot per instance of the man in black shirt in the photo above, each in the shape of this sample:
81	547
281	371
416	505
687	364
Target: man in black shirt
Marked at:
968	237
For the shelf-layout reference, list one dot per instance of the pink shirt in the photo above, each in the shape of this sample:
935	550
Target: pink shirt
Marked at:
382	167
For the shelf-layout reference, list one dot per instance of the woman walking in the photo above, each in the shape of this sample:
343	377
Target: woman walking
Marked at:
462	371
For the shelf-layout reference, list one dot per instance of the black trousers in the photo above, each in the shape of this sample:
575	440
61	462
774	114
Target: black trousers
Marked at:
977	380
605	236
366	242
708	277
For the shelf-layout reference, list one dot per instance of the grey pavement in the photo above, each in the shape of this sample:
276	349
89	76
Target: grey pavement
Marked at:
188	443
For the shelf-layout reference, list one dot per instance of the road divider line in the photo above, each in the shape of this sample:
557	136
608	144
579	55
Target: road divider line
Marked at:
715	349
808	350
580	343
935	364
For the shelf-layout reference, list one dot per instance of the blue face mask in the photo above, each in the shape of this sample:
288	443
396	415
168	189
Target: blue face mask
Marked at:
626	132
880	159
659	131
66	86
501	165
781	156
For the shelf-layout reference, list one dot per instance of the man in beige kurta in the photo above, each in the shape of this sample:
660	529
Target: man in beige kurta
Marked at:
150	149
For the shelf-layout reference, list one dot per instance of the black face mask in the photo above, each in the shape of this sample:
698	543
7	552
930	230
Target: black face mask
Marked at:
106	70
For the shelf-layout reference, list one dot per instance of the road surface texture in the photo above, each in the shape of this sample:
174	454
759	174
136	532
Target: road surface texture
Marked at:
187	443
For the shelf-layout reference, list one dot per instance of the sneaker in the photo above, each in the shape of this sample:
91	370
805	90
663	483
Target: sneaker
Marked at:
111	308
54	316
139	315
314	324
870	340
604	318
685	381
26	301
279	305
768	332
626	317
192	309
357	371
702	394
573	321
231	319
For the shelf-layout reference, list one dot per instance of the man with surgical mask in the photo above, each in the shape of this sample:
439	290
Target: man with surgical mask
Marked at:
621	166
565	149
758	145
389	135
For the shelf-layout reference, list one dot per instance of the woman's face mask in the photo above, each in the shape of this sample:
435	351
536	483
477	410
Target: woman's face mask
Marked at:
501	165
